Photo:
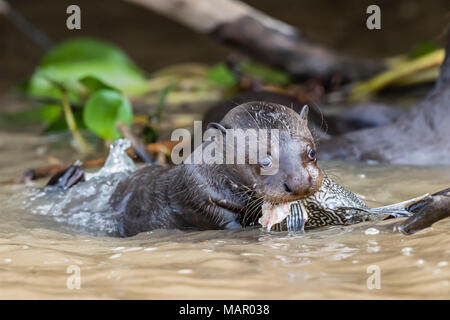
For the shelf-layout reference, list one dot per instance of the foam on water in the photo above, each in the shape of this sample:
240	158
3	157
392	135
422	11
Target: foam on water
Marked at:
85	206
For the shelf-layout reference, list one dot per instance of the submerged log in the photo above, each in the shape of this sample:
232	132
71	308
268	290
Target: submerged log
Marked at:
153	149
262	37
426	212
420	137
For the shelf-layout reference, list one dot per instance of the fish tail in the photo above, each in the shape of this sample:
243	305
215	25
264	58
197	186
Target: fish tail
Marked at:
399	210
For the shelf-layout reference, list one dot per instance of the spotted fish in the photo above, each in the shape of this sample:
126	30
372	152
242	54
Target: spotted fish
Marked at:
332	204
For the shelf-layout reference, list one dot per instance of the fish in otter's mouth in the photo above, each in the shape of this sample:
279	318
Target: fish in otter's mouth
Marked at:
332	204
273	214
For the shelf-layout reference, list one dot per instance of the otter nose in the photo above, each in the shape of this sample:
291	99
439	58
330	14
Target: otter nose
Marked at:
287	188
296	188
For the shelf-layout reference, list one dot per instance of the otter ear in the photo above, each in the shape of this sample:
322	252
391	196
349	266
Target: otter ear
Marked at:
216	125
304	112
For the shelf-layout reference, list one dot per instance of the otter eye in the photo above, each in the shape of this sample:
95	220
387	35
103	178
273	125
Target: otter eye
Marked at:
312	154
265	162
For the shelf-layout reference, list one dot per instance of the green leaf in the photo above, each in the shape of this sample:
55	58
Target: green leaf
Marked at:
95	84
76	59
86	49
123	78
221	75
50	113
266	74
162	97
60	124
422	49
104	109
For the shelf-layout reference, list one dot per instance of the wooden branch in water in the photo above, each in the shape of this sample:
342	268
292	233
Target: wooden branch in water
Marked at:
158	148
263	37
426	212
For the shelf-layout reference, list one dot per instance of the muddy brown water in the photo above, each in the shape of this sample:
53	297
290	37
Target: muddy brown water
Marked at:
335	262
35	254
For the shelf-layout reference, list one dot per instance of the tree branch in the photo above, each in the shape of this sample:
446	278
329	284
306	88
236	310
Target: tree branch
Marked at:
262	37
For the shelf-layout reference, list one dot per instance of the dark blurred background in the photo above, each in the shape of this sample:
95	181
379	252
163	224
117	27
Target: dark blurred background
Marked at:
154	41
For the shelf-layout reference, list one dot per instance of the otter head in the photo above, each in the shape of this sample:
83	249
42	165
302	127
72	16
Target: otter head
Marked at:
284	168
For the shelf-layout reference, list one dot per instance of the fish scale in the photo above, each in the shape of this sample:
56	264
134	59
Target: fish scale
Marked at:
332	204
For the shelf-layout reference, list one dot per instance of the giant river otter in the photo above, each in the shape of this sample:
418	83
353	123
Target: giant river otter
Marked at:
224	196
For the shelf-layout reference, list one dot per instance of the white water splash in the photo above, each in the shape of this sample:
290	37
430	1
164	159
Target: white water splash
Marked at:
85	206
